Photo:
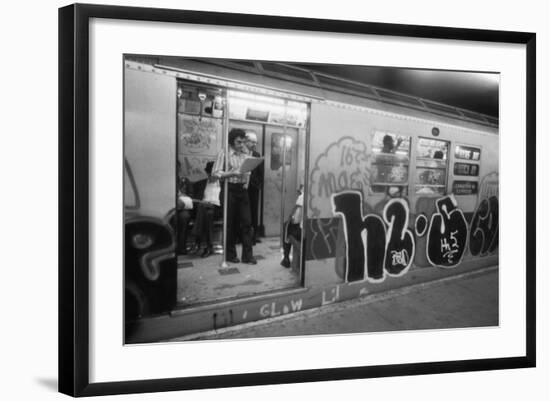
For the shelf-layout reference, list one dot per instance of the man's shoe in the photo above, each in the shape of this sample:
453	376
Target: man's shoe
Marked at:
257	240
233	260
194	248
285	262
207	252
250	261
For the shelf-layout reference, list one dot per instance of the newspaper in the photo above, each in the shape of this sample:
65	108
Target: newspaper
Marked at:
249	164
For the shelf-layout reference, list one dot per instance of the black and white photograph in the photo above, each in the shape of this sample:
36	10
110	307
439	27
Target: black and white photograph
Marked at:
250	200
275	199
292	200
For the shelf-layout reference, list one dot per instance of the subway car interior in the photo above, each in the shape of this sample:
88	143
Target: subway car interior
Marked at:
276	129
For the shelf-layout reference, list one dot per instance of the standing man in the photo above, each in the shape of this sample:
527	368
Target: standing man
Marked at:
238	203
255	184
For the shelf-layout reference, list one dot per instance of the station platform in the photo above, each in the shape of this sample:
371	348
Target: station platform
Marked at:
201	317
459	301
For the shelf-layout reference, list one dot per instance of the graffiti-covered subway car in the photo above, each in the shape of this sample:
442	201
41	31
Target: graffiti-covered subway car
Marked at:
394	190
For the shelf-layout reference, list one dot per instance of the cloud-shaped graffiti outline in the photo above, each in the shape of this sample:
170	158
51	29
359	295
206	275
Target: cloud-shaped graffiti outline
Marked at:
347	166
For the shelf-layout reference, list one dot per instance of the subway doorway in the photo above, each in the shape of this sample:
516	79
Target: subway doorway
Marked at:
275	131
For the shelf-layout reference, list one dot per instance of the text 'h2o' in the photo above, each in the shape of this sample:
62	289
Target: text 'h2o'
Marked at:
377	247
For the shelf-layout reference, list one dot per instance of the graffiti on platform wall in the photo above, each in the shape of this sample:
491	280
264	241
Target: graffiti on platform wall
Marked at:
375	246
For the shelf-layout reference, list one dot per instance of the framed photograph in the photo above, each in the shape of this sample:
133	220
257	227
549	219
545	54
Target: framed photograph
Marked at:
235	196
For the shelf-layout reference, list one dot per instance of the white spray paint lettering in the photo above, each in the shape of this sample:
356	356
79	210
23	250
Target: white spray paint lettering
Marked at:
272	309
334	294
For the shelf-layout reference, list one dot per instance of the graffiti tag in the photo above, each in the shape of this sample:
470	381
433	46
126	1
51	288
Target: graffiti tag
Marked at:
484	227
365	238
273	309
400	240
330	296
199	136
447	234
350	171
374	246
399	258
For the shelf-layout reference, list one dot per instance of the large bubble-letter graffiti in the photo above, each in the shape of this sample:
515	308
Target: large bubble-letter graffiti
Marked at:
150	267
400	240
420	225
425	207
365	238
374	246
447	234
484	228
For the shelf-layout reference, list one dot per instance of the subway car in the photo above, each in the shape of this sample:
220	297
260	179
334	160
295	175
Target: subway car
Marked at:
382	190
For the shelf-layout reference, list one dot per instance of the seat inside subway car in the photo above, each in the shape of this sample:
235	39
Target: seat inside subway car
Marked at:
256	189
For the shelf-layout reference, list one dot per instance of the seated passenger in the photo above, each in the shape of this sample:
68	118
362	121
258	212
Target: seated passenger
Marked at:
184	208
388	145
203	229
293	228
438	154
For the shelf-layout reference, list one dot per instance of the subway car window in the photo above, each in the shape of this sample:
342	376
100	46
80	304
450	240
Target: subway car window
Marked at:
466	170
391	163
281	150
467	153
431	166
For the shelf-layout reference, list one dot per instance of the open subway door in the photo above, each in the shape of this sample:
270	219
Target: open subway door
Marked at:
274	129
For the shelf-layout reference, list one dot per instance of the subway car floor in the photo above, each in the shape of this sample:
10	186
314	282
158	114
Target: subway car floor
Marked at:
202	280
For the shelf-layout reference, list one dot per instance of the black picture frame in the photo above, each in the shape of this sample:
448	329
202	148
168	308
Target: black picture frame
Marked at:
74	194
